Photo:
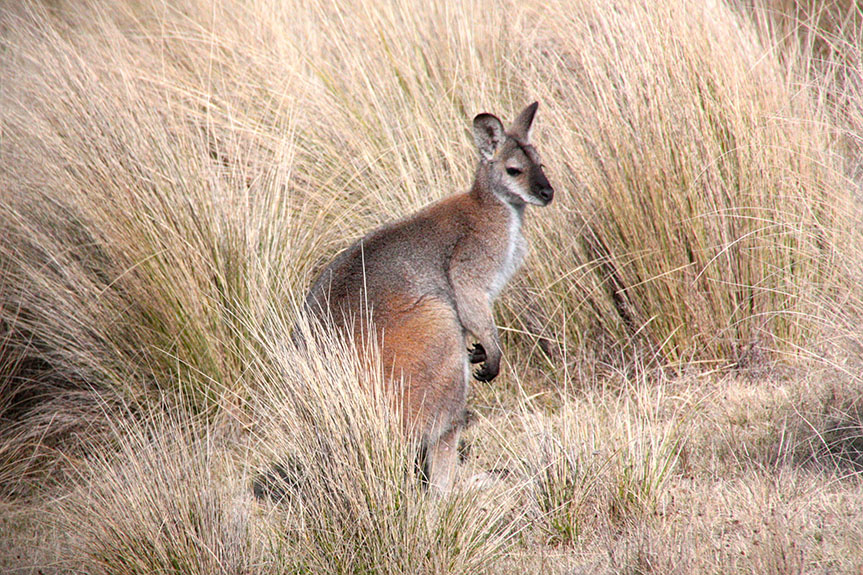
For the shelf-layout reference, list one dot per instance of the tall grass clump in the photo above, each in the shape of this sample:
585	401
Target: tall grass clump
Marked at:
166	501
600	463
130	236
137	213
343	475
320	443
826	38
707	201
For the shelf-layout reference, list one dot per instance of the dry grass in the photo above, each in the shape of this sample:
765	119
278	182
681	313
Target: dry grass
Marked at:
707	204
175	493
681	392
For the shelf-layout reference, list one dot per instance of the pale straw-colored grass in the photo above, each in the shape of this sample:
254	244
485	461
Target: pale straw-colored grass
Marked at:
173	174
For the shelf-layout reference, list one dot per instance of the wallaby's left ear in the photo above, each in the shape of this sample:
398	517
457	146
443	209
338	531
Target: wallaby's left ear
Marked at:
488	134
521	126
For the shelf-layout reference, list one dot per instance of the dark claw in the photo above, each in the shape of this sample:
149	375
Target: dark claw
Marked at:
476	354
484	373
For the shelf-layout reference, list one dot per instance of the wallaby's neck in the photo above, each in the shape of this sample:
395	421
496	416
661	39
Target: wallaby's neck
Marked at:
494	206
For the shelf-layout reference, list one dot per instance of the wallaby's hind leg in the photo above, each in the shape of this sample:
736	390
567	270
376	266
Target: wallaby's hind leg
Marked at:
442	456
424	349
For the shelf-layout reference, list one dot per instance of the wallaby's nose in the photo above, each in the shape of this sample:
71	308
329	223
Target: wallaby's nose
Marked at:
542	187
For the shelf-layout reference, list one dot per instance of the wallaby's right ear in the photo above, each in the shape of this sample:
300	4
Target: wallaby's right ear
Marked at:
488	134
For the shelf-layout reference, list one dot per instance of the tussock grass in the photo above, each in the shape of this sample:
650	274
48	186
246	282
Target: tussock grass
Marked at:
176	494
724	472
172	175
601	461
348	494
164	501
706	203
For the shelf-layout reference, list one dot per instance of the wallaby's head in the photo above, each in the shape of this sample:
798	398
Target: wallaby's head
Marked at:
514	168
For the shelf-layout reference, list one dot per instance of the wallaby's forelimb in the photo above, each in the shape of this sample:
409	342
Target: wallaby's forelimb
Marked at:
475	313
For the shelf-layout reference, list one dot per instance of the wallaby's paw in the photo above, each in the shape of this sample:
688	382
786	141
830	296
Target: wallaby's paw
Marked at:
476	354
485	372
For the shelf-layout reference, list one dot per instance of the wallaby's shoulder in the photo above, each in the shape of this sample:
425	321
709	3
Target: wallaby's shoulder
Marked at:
417	243
433	229
448	215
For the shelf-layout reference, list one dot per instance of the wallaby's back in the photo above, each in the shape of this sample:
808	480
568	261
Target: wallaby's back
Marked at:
408	259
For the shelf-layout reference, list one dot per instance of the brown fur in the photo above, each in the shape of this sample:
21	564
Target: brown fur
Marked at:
427	282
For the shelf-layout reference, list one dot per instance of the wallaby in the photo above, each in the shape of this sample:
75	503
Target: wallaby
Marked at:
426	284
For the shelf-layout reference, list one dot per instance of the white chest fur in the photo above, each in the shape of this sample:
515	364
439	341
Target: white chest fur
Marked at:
516	249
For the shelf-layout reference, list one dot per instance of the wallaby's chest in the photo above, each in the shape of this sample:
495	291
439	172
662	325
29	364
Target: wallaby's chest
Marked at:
514	250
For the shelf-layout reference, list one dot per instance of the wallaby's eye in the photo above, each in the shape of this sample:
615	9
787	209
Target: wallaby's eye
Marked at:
513	172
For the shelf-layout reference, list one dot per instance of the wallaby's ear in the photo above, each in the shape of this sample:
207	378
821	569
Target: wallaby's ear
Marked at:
521	126
488	134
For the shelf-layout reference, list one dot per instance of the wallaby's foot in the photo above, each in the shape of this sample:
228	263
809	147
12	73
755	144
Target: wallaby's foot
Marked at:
487	479
476	354
442	460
